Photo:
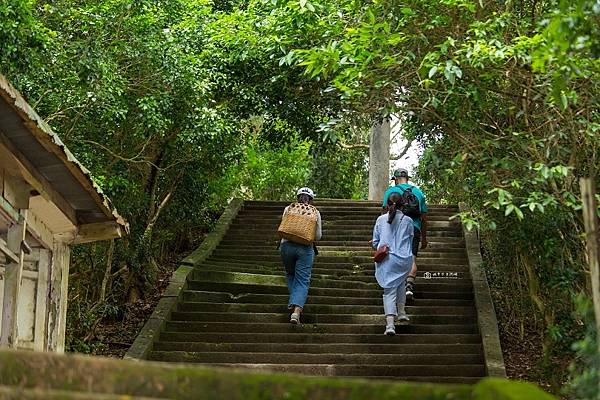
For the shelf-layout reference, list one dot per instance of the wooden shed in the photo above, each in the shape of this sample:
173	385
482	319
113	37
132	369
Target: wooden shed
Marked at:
48	202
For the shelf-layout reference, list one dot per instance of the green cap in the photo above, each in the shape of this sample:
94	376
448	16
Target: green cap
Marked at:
400	173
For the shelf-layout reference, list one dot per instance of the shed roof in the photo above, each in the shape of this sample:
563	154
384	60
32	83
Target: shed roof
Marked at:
22	129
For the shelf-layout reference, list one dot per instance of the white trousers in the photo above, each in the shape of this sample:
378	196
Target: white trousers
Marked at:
394	298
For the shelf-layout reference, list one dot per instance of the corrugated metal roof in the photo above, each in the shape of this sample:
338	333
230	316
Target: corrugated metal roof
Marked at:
28	133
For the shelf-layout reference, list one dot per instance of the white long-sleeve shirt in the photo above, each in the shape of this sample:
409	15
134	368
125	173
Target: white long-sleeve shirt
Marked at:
398	237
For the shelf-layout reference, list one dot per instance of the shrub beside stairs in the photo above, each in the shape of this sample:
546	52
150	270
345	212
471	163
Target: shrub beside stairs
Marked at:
227	307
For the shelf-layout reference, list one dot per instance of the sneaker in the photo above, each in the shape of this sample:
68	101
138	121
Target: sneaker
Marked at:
410	288
295	318
402	317
390	330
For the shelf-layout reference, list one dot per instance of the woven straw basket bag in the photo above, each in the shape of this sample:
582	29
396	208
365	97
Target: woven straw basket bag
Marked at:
299	223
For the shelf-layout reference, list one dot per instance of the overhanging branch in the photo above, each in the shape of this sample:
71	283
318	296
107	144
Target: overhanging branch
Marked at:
403	152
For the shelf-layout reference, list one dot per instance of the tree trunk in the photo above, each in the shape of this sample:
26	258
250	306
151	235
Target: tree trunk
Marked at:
533	286
590	218
379	159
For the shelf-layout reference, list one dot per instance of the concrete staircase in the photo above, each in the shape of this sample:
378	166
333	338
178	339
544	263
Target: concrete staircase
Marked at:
232	312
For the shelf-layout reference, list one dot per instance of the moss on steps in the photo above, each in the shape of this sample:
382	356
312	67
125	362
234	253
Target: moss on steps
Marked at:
18	393
58	375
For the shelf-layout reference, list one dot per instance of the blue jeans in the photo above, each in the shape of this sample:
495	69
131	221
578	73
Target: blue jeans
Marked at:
297	260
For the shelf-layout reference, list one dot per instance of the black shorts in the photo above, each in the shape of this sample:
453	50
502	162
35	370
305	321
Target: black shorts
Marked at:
416	242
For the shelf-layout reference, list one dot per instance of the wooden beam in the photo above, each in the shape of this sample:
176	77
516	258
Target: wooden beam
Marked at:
9	210
590	219
12	284
39	230
16	191
92	233
38	181
26	273
8	251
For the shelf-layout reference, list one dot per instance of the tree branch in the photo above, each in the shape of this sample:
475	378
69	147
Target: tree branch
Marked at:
353	146
403	152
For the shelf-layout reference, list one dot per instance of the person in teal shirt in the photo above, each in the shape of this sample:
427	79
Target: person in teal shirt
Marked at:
400	177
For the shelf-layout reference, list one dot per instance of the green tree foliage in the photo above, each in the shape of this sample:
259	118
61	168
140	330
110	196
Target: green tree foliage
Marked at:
503	96
160	100
176	106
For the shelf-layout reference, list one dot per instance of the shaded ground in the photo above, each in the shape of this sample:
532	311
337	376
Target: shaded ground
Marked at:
115	337
523	354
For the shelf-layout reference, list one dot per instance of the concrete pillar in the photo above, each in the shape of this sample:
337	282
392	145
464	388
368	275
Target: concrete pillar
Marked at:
379	159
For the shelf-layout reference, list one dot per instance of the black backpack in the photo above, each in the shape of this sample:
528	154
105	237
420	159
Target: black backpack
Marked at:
410	204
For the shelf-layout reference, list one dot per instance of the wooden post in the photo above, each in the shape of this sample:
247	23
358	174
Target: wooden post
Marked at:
12	283
590	219
57	306
40	327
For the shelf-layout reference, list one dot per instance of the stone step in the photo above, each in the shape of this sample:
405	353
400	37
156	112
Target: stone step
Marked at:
221	338
276	299
275	327
356	274
279	280
432	248
324	259
47	393
236	288
430	379
356	208
350	209
367	219
309	317
434	240
328	230
334	202
341	221
320	309
415	370
347	267
325	252
397	359
318	348
364	237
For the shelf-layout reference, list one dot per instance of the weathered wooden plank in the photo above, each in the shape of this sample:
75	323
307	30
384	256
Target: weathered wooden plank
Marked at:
16	191
12	284
24	274
98	231
57	306
8	252
41	306
9	210
39	230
